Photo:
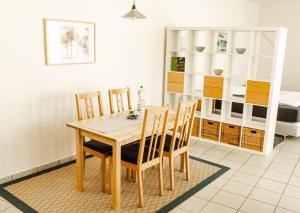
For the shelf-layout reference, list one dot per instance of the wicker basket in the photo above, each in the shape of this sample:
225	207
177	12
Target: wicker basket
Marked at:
253	139
210	130
196	127
231	134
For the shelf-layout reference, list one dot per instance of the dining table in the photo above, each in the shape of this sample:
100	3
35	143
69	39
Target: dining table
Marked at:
114	130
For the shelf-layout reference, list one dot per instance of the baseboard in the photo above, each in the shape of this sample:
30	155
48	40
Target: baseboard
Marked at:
36	169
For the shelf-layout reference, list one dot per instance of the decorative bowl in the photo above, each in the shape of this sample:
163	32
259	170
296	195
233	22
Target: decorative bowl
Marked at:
240	50
218	71
200	48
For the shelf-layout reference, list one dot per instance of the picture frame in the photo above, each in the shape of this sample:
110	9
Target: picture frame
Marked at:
69	42
222	42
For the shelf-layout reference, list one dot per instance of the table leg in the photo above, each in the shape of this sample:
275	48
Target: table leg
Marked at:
116	177
79	161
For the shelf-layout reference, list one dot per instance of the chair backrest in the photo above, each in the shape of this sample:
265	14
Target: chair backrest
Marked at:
87	99
183	124
118	93
154	125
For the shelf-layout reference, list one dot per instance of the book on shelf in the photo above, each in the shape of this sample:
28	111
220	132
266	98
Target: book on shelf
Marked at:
178	64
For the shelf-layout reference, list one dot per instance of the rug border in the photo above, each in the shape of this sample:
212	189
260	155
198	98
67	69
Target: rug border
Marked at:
173	204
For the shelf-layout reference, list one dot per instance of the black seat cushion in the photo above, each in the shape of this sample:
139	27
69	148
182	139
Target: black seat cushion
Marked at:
98	146
168	140
130	153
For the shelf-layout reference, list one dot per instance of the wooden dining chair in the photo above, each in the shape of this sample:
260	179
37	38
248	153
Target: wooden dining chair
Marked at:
119	97
93	147
177	144
139	157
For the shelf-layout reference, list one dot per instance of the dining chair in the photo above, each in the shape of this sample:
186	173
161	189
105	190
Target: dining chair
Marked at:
119	97
93	147
177	144
139	157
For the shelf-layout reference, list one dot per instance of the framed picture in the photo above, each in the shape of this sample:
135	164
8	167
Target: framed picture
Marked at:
221	42
69	42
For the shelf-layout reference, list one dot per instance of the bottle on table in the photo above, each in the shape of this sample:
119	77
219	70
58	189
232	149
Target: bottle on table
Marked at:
141	100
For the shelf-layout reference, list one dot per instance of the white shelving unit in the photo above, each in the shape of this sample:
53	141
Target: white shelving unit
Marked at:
258	71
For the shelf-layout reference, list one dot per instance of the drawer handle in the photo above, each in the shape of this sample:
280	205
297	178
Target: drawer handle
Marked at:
230	126
211	123
253	131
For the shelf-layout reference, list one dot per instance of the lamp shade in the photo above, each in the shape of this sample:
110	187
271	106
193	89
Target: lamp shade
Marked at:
134	13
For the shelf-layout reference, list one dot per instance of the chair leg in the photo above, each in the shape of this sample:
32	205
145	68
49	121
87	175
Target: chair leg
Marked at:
140	186
111	173
171	168
182	163
127	173
83	160
103	173
134	175
187	166
160	179
143	174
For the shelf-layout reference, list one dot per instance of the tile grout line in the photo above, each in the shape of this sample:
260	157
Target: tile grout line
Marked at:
218	190
255	186
286	186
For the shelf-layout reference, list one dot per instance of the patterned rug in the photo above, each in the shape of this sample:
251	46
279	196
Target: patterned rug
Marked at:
54	190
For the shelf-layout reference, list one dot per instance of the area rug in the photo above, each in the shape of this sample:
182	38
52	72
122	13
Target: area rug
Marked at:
54	190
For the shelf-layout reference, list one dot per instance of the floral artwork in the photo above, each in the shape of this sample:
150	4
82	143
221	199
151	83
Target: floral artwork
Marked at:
69	42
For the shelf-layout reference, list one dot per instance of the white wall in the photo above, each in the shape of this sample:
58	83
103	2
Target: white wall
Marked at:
38	100
285	13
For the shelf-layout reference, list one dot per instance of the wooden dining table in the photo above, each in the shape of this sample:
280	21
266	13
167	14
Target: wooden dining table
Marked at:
125	133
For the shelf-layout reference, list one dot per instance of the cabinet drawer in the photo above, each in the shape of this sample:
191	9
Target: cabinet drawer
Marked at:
258	87
175	87
213	92
212	81
176	77
257	98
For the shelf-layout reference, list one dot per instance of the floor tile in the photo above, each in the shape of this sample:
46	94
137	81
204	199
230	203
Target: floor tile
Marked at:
265	196
216	208
258	162
297	171
292	191
245	178
218	183
251	206
281	210
271	185
252	170
277	176
4	205
281	168
237	188
295	181
229	174
201	147
193	204
238	156
290	203
178	210
289	155
228	199
217	153
207	193
211	158
285	161
231	164
12	210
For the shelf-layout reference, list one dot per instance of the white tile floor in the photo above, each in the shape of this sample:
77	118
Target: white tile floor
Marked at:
253	184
